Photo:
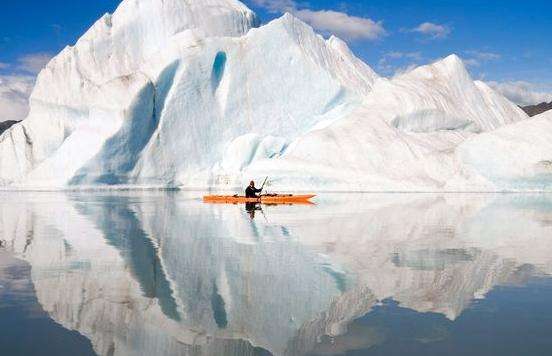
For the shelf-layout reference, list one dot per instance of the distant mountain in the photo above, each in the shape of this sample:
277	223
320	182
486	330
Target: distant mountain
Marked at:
533	110
6	125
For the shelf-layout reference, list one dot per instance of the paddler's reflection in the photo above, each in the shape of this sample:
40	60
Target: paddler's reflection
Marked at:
251	208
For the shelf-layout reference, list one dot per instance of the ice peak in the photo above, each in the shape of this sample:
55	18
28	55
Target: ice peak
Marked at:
333	55
338	43
211	17
340	46
448	67
302	31
298	30
288	16
289	20
451	64
206	4
453	61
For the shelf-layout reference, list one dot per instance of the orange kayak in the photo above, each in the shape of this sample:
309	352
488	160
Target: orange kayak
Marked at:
264	199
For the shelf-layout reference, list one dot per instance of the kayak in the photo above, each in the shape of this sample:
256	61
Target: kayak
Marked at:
264	199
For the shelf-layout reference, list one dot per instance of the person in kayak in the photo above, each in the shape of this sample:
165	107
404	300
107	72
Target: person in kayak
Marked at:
251	191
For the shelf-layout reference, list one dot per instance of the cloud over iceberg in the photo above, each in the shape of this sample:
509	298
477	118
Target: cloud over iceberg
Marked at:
432	30
521	92
338	23
14	95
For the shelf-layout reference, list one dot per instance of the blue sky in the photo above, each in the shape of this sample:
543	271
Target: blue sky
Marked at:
516	31
504	42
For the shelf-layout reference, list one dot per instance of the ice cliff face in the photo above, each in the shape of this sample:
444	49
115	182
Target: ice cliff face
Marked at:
192	94
85	94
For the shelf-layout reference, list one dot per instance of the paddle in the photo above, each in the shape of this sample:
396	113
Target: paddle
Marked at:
262	187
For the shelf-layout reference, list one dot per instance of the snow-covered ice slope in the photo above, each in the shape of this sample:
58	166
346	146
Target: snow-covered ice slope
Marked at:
402	138
85	93
515	157
246	99
189	106
193	94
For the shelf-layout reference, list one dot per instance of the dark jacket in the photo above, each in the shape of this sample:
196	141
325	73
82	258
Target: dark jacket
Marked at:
251	192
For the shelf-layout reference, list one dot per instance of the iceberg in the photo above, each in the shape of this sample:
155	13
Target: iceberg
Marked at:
196	94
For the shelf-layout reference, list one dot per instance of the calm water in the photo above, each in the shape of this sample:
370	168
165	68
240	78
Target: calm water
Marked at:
158	273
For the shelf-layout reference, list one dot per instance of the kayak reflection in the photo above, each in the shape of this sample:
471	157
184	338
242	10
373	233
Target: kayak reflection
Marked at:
251	208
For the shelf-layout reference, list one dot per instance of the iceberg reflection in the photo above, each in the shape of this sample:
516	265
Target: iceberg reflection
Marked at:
162	273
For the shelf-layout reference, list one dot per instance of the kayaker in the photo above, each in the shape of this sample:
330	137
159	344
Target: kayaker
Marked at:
251	191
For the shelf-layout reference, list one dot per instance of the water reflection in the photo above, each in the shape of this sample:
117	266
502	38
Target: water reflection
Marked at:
25	328
122	229
511	320
162	273
252	208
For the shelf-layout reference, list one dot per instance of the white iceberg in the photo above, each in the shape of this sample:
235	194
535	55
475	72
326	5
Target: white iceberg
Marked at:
194	94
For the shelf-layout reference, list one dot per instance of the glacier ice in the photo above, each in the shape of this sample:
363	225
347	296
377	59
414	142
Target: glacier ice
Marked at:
195	94
402	137
515	157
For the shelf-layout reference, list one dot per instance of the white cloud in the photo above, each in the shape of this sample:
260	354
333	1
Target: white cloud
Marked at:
34	62
15	89
14	96
276	6
484	56
417	56
343	25
522	93
338	23
471	62
476	58
432	30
